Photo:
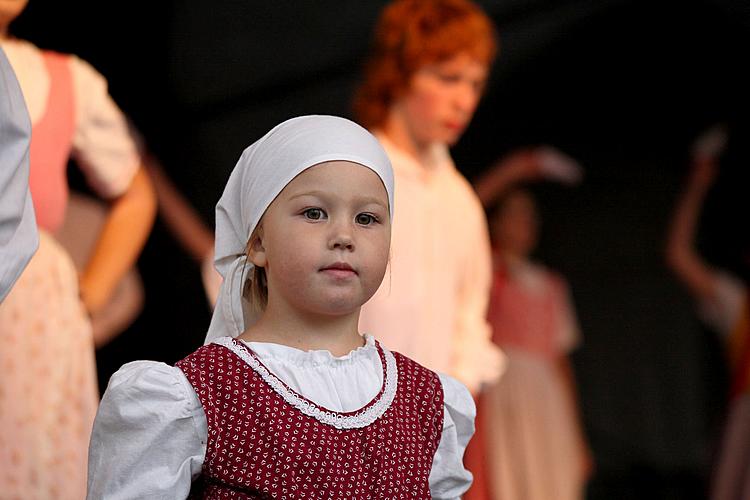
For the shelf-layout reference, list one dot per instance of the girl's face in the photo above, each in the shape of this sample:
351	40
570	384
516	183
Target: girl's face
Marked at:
515	226
442	98
325	239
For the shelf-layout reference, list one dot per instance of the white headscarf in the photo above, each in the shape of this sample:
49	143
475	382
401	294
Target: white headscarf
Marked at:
264	169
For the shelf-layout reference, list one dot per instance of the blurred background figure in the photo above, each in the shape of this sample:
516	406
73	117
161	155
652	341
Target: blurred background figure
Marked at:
723	302
531	434
48	392
18	233
424	77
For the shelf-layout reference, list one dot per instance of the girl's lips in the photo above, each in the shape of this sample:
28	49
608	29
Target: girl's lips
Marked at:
339	270
339	273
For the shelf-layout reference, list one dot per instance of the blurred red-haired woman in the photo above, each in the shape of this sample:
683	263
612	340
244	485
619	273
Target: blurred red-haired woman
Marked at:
422	83
423	80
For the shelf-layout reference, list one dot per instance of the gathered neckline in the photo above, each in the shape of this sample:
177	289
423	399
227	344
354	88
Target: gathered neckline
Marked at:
310	359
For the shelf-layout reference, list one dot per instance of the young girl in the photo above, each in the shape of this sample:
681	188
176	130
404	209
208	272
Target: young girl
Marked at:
288	399
423	81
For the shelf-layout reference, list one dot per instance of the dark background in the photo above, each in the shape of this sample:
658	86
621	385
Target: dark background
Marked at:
624	86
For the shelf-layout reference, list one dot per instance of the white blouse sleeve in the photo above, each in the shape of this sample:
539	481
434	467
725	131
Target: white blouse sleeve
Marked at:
448	477
104	144
149	437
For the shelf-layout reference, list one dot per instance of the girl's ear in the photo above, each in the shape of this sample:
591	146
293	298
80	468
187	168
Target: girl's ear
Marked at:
256	253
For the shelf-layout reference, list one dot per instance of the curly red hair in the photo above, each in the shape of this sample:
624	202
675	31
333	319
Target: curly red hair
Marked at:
411	34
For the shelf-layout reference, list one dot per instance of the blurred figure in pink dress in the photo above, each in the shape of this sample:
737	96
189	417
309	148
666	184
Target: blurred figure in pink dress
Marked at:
48	391
532	438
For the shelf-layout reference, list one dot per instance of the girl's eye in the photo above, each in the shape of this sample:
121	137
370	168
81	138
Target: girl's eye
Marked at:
366	219
314	214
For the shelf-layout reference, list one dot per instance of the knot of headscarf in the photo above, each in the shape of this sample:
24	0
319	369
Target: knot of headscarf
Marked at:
263	170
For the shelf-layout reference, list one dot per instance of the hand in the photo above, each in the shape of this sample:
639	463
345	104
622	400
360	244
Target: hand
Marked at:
710	144
555	165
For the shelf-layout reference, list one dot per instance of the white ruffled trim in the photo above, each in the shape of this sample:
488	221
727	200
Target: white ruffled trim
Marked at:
314	359
332	418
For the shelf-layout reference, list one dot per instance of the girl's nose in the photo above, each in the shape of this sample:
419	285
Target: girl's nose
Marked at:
343	243
341	239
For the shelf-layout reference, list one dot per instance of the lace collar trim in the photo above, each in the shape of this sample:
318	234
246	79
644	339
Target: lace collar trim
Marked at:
340	420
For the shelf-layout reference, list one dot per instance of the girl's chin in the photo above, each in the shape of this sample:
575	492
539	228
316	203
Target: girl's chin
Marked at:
338	308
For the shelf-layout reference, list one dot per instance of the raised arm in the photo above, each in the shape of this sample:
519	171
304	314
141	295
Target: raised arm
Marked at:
512	168
179	215
681	255
527	164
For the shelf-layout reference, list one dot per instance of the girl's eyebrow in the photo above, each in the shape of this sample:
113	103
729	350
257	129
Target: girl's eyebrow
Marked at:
363	200
318	194
371	200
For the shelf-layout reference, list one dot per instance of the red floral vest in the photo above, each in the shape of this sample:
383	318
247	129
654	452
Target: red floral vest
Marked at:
268	441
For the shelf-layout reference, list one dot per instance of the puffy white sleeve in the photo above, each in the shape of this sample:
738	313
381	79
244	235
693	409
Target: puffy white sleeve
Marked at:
448	477
104	144
477	360
149	437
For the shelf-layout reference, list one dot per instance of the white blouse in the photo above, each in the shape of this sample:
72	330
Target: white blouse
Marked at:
104	145
149	437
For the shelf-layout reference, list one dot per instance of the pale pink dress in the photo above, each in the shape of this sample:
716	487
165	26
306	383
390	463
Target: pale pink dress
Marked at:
531	434
432	304
48	389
